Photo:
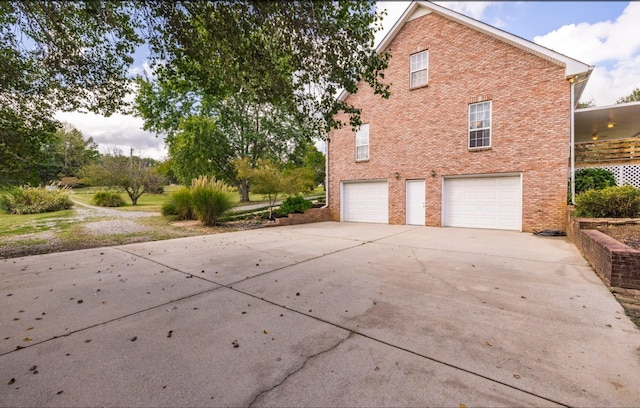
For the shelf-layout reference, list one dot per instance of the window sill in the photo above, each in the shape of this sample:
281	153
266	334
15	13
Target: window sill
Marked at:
362	161
479	149
412	88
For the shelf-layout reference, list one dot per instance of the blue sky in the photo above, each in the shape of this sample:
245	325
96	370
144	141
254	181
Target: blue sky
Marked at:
528	19
604	34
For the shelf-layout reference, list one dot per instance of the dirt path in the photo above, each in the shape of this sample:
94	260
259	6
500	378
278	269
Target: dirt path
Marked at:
86	210
91	226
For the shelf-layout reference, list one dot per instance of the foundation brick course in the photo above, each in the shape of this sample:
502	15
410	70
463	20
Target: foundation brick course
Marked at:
419	130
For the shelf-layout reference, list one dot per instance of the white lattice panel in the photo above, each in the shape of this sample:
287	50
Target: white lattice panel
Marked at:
624	174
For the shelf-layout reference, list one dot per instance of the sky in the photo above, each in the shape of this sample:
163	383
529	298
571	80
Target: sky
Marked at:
603	34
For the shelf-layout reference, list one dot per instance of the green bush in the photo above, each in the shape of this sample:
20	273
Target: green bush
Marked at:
156	189
610	202
179	204
593	179
294	204
108	199
210	199
34	200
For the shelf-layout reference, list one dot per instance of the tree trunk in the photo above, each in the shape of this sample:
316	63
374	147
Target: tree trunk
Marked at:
243	190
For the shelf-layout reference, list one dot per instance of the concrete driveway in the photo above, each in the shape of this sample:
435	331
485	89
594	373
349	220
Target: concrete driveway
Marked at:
327	314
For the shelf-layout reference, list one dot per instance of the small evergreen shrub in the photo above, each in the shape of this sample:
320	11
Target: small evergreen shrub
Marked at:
610	202
593	179
210	199
179	204
294	204
34	200
108	199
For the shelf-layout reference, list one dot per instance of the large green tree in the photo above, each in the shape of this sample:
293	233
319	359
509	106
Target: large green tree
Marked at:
293	57
315	161
634	96
292	54
23	147
72	151
131	174
206	136
57	55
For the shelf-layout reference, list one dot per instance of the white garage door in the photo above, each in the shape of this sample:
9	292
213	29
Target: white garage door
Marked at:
483	202
365	202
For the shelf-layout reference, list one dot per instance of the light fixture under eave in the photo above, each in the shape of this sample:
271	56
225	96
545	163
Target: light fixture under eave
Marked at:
610	125
594	137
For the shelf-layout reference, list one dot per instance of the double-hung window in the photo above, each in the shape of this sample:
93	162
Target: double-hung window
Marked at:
362	143
480	125
419	69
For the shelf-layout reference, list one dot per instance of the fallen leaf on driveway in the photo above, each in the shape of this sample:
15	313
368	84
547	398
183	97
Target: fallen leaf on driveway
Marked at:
235	344
516	376
11	381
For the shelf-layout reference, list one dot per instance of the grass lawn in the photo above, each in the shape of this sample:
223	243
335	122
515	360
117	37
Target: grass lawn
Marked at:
16	224
153	202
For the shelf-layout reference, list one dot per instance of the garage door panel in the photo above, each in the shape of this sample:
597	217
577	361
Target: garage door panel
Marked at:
483	202
366	202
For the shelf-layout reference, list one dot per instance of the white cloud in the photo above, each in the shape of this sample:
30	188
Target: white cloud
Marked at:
118	131
613	47
473	9
144	68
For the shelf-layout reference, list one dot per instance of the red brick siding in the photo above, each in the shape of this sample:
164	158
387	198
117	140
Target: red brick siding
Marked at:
416	131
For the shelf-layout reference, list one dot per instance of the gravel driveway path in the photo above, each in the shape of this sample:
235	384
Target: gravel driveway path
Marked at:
87	210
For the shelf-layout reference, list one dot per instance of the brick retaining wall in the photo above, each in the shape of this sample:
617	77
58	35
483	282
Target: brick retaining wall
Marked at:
311	215
616	263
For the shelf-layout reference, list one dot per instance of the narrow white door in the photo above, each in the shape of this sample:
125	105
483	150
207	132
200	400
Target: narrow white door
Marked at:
415	202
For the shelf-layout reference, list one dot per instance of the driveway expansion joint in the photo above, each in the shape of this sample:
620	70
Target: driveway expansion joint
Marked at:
393	346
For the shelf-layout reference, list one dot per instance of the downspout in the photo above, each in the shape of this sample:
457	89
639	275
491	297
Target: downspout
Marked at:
326	173
572	138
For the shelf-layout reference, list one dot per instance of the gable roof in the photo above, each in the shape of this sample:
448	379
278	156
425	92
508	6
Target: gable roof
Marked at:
575	70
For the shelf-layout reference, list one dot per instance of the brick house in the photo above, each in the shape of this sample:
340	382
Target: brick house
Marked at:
477	131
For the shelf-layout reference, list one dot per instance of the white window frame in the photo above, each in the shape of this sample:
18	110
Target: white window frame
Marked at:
480	122
419	69
362	148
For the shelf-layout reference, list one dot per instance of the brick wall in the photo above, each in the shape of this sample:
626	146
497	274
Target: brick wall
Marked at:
311	215
617	264
419	130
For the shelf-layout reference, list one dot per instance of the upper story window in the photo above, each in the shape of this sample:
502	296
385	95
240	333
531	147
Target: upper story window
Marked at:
419	69
480	125
362	143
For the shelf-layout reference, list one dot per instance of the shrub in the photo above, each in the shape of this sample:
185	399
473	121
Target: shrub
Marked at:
168	208
155	189
108	199
610	202
294	204
210	199
179	204
593	179
34	200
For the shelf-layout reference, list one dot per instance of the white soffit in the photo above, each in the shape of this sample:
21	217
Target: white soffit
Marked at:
624	117
419	13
